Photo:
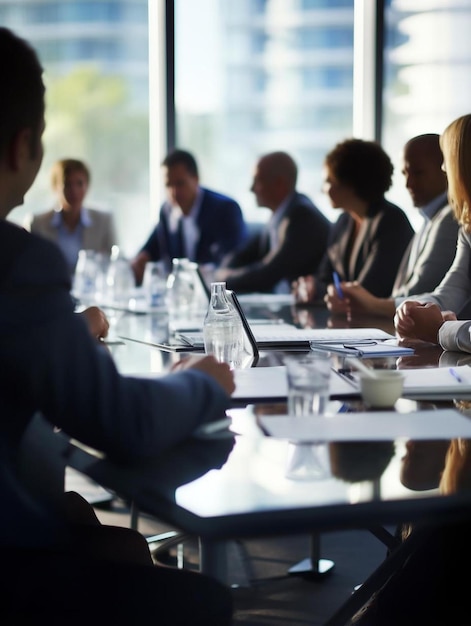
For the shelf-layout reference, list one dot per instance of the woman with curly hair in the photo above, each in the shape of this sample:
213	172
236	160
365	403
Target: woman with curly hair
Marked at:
371	235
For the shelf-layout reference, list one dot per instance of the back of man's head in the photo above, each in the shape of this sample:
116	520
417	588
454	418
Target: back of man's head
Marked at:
177	157
22	97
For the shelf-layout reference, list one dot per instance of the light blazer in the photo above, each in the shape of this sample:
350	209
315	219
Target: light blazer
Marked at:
303	233
374	258
221	230
433	260
99	236
454	291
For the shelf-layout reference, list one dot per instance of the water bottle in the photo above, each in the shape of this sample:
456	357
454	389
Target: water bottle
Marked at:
222	328
120	280
154	284
180	289
85	276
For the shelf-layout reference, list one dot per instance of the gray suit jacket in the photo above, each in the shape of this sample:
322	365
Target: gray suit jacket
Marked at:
454	292
433	259
100	236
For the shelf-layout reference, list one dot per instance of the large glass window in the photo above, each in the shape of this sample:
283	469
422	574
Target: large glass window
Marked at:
97	75
266	75
427	73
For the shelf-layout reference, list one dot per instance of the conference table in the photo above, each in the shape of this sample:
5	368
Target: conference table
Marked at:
235	483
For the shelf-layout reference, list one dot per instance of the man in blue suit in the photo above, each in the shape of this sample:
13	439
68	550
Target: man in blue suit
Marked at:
51	364
195	222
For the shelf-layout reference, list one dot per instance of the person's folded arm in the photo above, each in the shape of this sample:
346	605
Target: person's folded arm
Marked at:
455	335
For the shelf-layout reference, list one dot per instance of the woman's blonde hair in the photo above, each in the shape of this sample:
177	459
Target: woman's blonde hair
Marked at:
455	143
62	168
456	474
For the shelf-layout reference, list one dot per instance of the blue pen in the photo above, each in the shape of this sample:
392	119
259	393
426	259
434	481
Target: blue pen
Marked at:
455	374
337	285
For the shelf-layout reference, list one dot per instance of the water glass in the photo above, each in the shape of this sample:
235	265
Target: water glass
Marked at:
308	383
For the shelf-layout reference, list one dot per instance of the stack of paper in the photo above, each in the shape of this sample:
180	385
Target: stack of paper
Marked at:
371	426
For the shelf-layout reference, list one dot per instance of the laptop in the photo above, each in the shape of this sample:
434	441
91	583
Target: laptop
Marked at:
289	337
181	342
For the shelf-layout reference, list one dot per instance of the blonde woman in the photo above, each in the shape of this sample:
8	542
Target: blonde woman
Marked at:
72	226
433	317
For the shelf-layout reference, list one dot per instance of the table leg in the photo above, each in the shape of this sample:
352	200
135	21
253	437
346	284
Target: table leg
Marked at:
313	567
213	559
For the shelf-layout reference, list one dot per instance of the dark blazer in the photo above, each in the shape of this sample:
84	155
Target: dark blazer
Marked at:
50	363
303	234
374	258
222	229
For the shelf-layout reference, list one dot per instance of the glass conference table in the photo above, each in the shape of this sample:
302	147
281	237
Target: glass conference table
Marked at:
237	484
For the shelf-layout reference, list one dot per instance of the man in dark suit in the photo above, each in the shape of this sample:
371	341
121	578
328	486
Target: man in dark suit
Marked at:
51	364
195	222
293	241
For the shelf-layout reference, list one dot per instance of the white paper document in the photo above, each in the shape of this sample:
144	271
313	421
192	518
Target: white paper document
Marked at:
370	426
269	383
266	298
433	382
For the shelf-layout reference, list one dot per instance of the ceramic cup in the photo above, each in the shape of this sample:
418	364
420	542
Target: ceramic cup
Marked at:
383	390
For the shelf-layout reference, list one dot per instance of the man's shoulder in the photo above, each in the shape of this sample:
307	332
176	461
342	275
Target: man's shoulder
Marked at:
300	203
15	239
15	242
213	199
445	213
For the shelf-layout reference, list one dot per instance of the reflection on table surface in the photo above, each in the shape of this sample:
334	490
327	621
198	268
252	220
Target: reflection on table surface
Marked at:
241	483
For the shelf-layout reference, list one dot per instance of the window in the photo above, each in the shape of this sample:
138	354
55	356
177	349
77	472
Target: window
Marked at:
96	72
427	69
264	78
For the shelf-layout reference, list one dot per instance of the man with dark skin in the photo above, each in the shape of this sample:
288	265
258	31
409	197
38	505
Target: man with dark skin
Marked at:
431	252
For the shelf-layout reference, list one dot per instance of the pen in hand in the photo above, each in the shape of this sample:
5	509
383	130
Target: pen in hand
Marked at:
338	288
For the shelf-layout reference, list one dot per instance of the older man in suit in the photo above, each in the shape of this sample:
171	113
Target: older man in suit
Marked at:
293	241
197	223
432	249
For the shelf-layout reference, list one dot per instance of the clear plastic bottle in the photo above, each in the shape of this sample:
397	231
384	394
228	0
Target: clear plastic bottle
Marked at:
180	289
85	276
154	284
222	328
120	280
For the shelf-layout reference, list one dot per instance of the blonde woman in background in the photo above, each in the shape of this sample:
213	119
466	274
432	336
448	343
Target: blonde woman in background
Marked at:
72	226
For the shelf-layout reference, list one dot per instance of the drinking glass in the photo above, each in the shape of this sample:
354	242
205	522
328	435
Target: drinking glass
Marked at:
308	395
308	382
